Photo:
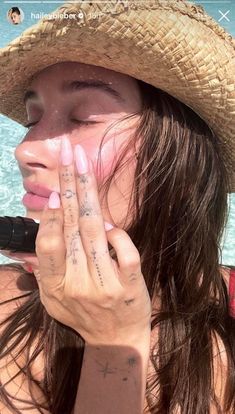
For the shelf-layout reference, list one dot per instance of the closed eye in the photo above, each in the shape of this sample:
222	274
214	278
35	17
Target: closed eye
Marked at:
77	121
30	124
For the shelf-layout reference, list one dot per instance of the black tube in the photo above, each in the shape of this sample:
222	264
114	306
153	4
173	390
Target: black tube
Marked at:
18	234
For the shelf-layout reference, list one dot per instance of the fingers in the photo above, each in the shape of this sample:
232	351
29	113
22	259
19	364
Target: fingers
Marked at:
71	244
127	255
50	246
91	223
75	255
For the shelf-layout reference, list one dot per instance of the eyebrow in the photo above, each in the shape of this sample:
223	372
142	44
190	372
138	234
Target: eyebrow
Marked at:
79	85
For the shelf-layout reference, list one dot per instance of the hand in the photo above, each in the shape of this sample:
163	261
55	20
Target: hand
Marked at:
80	284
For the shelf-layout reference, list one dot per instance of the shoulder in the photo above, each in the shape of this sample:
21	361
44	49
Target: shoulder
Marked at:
14	284
220	371
220	357
14	279
225	273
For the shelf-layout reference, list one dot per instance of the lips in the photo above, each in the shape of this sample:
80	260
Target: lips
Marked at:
37	189
36	197
34	202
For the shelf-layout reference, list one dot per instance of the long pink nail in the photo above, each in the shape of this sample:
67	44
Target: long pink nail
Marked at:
66	152
81	160
54	200
108	226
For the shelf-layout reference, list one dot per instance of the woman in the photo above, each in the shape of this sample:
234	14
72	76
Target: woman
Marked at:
130	316
14	15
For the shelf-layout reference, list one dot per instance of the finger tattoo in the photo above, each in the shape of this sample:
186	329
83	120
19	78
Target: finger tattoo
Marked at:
133	277
95	260
73	247
67	176
85	210
68	193
52	220
52	265
129	301
83	179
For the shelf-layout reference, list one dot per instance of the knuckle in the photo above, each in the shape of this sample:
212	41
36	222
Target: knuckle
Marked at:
74	293
122	235
108	301
111	297
46	245
51	217
70	216
118	234
84	298
131	260
52	294
90	230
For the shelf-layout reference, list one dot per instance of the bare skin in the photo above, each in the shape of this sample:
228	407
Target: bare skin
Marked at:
53	113
15	17
106	302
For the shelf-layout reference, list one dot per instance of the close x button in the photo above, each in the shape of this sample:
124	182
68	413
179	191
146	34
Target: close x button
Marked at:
224	15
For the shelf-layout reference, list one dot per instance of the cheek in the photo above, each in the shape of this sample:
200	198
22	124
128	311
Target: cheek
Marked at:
112	146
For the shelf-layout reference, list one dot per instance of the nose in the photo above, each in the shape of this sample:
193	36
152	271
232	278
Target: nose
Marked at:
35	152
32	156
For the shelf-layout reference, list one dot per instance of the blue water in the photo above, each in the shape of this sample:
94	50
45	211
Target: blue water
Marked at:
11	133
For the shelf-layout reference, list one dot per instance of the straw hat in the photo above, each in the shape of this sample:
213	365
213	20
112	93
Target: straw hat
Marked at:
173	45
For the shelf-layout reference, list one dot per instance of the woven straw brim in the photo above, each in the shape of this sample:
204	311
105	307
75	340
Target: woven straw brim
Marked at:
174	46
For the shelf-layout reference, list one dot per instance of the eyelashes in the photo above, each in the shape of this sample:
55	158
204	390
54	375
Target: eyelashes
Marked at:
77	121
29	124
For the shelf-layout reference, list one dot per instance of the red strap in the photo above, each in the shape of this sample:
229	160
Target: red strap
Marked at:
232	292
232	272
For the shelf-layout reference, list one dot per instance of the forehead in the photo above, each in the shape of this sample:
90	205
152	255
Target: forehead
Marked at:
52	79
74	70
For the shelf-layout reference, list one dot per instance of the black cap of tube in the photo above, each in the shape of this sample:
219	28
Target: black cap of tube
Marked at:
18	234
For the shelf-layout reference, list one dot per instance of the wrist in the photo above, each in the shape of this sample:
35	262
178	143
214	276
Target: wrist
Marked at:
124	357
138	341
117	371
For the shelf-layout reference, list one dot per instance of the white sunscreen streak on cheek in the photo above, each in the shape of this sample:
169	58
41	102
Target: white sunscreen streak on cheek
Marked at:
53	144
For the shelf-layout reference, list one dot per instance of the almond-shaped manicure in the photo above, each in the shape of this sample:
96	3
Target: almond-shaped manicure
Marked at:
66	152
81	160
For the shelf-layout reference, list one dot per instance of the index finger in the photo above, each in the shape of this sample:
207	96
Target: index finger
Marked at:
91	223
68	193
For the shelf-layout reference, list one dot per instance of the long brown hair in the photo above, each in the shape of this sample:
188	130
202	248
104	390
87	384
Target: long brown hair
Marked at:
179	210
